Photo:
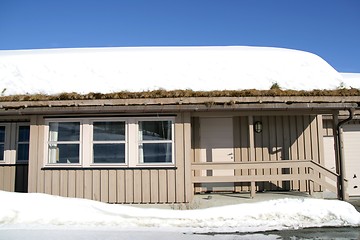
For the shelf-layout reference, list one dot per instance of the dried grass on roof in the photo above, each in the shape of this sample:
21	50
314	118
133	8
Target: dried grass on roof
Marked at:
182	93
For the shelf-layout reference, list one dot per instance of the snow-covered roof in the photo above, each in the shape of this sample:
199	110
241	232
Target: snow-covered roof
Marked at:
351	79
136	69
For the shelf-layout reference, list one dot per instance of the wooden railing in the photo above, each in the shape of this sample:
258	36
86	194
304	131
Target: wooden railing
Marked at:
314	173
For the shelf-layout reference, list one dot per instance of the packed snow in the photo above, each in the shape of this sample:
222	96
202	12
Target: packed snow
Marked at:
34	209
136	69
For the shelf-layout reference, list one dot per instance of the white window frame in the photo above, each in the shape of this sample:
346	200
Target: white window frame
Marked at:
47	142
7	144
86	142
122	141
11	142
138	142
18	125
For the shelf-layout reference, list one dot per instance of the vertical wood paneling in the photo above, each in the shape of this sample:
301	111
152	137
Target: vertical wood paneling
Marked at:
145	185
137	186
72	183
294	148
283	138
237	149
188	186
63	183
121	187
55	182
279	144
88	184
129	186
96	185
2	178
273	148
112	186
163	186
265	149
80	184
196	147
154	186
104	185
34	171
179	148
171	186
48	182
245	146
258	145
319	124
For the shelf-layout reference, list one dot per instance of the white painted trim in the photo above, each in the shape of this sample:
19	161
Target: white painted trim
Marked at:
131	142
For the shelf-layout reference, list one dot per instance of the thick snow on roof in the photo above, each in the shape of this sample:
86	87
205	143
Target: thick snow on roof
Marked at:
351	80
135	69
47	210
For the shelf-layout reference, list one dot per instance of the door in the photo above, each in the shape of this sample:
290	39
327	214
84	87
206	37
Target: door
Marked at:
217	145
352	158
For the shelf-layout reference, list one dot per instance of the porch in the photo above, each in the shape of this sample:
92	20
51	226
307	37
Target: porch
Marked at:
316	176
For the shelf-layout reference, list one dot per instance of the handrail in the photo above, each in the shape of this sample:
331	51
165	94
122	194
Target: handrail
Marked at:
315	173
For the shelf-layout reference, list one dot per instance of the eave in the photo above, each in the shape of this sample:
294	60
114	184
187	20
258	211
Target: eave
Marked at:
315	104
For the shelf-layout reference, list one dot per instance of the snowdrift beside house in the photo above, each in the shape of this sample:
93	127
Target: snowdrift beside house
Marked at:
26	209
136	69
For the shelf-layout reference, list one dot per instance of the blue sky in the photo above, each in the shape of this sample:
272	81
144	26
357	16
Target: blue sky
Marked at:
328	28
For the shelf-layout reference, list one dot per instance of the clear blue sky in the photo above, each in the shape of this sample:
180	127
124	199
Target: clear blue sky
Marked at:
328	28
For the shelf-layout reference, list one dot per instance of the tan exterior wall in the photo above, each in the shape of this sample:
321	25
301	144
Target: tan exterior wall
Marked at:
115	185
283	138
7	178
13	176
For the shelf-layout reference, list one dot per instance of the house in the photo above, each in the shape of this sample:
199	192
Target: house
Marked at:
158	125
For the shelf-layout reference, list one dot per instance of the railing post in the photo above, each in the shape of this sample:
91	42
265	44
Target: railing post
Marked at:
251	153
311	181
252	184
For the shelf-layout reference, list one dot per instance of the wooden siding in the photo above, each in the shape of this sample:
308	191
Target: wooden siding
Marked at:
7	178
116	185
283	138
14	178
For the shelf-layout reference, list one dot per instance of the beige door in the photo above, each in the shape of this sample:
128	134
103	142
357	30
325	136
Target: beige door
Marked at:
351	135
217	145
352	158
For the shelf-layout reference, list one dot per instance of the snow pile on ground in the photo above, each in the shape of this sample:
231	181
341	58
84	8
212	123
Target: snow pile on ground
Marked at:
137	69
35	208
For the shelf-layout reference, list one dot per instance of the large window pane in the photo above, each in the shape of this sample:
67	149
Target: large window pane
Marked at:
64	153
24	134
23	143
109	153
23	152
155	130
1	152
156	152
64	131
2	134
2	142
109	131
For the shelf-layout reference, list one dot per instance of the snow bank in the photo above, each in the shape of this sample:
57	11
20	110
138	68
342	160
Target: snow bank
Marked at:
34	208
107	70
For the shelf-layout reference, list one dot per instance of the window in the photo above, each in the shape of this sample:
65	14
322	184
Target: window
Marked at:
64	142
2	143
155	141
109	142
14	142
23	143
